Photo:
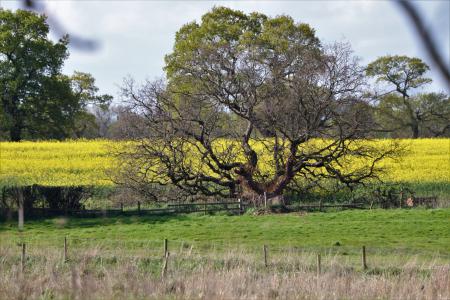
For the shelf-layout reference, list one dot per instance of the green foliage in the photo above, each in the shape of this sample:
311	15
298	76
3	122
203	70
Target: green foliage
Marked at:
438	189
233	31
430	111
433	109
402	71
58	197
400	111
30	63
37	100
85	125
84	89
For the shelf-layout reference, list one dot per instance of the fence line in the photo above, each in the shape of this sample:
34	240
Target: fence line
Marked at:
155	246
172	208
275	258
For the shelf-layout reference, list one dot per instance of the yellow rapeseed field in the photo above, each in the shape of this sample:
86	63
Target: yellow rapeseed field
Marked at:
86	162
426	160
53	163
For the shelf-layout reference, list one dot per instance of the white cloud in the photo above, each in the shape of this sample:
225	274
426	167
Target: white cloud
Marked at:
135	35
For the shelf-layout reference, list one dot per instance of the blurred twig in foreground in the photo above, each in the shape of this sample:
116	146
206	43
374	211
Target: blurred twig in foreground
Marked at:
75	40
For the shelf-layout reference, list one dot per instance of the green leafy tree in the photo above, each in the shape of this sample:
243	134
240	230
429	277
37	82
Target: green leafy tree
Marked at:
29	64
431	112
37	100
86	93
401	109
253	105
434	113
49	113
85	90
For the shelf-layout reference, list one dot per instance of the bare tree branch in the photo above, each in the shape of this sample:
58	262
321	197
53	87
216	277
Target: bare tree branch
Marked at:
410	10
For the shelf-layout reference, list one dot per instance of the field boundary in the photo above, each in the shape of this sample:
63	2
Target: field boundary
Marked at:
235	207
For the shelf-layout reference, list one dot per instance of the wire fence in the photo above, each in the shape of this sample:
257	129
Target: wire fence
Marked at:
233	206
158	247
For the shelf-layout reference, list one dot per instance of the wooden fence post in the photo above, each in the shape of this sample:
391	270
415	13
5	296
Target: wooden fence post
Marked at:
20	207
265	200
164	268
240	205
165	247
139	207
65	249
364	263
319	266
265	255
23	257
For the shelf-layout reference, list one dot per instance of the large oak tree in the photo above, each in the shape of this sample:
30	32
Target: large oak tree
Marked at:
251	105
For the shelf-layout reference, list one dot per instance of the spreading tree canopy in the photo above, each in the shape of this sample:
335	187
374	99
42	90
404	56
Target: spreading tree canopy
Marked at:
251	105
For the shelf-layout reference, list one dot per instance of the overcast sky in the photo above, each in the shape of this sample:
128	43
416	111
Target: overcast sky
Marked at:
134	36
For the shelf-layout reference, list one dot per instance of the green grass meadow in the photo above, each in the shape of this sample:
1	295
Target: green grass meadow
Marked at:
397	231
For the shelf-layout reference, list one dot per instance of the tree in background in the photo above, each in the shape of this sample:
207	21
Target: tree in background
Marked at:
434	110
399	109
252	105
37	100
86	121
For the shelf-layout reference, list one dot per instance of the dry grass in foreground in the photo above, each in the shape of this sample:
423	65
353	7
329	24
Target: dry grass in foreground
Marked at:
94	274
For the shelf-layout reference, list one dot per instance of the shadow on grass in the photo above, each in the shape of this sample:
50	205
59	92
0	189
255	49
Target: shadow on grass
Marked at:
71	222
